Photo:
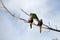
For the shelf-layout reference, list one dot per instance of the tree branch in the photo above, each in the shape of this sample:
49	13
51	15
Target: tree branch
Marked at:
24	12
51	28
47	27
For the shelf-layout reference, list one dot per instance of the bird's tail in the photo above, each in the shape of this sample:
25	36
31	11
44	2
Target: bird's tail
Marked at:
31	25
40	29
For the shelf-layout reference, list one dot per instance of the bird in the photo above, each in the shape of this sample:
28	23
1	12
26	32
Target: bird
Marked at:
34	16
30	20
40	23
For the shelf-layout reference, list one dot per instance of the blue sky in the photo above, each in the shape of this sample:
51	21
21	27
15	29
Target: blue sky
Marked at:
14	29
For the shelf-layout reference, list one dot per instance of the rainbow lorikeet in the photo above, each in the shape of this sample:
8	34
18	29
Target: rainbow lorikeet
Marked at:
30	20
34	16
40	22
40	25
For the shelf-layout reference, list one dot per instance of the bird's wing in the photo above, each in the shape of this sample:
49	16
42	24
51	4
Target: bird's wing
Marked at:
35	16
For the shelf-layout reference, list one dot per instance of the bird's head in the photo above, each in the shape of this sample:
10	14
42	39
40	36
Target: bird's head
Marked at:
31	14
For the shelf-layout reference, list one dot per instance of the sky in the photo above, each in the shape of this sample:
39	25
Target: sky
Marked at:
15	29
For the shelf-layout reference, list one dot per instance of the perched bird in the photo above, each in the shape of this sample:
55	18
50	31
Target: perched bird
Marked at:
30	20
40	22
34	16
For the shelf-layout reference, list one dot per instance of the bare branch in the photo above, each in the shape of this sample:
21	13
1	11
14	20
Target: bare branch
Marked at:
51	28
10	12
6	8
47	27
24	12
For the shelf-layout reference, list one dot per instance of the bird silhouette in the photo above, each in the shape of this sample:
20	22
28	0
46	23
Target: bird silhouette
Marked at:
34	16
40	22
30	20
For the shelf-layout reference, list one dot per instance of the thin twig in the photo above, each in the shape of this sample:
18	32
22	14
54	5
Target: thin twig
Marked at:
51	28
10	12
24	12
6	8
